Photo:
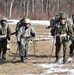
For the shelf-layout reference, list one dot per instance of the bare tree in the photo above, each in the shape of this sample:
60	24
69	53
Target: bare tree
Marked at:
58	6
42	6
24	7
47	5
27	9
6	7
70	7
48	8
21	2
11	8
32	6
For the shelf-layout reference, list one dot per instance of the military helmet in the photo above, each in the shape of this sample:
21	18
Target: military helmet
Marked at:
26	20
3	19
63	15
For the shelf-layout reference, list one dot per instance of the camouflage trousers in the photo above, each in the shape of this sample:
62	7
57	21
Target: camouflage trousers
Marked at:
3	46
65	49
72	47
24	47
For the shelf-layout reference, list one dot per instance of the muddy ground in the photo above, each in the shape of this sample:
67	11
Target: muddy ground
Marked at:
42	53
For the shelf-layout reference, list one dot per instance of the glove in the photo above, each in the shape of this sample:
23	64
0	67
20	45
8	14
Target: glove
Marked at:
33	34
18	42
47	28
8	37
70	38
52	33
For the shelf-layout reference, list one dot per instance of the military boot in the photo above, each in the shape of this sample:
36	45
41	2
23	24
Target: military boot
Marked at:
4	56
56	61
22	59
66	61
26	57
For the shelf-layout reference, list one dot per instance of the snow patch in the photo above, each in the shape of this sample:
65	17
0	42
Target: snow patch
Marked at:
47	65
40	22
71	72
52	68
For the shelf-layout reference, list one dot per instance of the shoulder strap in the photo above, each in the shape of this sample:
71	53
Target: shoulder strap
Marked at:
66	26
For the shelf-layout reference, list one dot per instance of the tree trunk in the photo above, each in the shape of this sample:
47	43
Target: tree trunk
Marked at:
42	6
6	8
10	14
70	7
27	10
32	6
48	8
58	6
21	2
24	7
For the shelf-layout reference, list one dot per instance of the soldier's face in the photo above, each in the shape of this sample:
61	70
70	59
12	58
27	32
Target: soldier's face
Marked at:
27	25
63	21
3	23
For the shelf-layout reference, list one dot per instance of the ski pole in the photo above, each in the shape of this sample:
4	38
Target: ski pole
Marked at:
16	53
34	45
52	49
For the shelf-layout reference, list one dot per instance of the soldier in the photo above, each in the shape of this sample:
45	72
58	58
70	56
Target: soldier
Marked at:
72	39
4	36
62	30
23	38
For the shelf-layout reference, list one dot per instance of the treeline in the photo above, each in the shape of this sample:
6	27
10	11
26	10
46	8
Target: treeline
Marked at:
35	9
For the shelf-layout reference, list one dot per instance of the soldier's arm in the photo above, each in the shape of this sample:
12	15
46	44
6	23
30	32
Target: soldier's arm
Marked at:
17	26
32	32
70	29
13	33
8	31
19	34
0	31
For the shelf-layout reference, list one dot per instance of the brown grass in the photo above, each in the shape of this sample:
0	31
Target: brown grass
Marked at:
43	55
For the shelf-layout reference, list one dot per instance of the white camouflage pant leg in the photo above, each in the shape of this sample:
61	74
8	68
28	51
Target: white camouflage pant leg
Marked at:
27	47
24	48
21	50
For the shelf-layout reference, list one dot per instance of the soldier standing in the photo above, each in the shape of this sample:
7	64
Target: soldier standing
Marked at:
23	38
62	30
72	39
4	36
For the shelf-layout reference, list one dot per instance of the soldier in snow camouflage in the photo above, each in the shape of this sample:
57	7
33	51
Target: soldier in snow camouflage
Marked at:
23	38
